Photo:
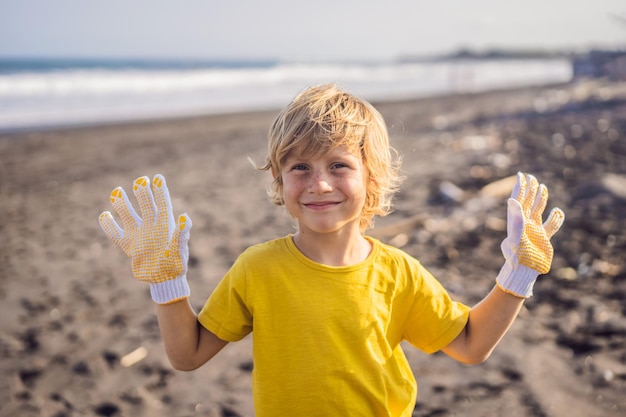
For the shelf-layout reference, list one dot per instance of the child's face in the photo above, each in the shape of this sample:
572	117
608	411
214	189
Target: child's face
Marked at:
326	193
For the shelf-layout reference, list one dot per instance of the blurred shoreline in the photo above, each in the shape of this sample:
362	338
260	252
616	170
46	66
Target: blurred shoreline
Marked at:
43	94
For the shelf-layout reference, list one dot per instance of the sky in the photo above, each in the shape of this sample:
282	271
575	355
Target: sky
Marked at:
311	30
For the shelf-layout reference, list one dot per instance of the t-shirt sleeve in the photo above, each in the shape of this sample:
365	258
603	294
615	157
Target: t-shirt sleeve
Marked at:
434	319
226	312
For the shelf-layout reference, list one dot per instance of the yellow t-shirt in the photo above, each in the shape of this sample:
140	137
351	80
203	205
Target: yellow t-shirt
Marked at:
326	339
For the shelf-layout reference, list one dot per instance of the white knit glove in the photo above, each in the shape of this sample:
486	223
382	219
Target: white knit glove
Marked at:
155	244
527	248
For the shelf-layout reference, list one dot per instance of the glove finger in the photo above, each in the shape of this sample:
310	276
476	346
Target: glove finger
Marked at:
529	197
554	222
163	202
514	220
541	200
181	234
141	188
180	238
110	227
520	188
124	208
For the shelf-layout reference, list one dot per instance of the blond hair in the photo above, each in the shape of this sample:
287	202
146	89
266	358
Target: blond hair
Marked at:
324	117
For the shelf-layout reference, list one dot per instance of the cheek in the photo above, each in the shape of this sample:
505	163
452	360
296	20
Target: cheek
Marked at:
292	187
357	188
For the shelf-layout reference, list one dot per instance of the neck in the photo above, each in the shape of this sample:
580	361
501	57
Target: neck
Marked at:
334	249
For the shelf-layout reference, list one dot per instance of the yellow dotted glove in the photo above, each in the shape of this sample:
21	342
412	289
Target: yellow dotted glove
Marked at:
527	248
157	247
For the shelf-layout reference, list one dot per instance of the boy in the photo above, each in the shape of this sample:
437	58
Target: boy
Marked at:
328	305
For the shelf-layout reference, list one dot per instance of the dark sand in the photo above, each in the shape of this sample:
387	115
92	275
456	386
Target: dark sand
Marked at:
71	312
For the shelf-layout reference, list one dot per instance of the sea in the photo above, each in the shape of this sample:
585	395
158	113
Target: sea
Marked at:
49	93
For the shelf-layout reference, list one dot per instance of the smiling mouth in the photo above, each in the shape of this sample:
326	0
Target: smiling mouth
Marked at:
321	205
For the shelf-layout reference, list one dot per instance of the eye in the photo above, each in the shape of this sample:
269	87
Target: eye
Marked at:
299	167
338	165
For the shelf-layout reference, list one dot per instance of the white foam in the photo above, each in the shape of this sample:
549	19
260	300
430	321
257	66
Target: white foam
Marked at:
66	97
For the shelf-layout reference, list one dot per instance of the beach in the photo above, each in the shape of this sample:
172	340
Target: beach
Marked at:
79	336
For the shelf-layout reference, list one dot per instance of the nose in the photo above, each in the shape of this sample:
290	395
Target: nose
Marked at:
320	183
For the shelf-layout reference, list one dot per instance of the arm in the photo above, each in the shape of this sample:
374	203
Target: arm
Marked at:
528	252
488	322
187	343
159	253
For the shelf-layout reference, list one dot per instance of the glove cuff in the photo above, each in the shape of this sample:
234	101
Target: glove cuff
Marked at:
170	291
517	280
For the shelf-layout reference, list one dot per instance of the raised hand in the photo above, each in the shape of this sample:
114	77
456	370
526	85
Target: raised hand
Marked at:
527	248
156	245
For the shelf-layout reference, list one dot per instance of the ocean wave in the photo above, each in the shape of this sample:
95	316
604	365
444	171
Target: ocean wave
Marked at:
72	95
